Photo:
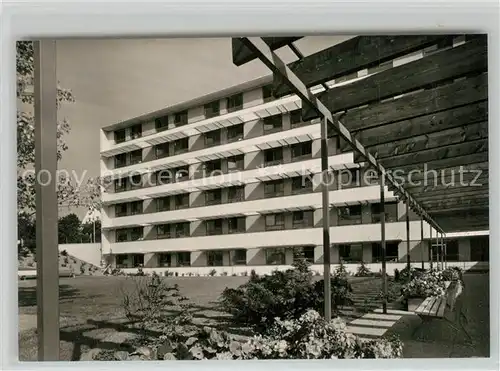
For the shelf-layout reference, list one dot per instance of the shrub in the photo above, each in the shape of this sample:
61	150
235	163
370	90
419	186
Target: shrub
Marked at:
140	272
396	274
253	275
212	273
414	272
223	274
234	275
284	294
425	285
363	271
452	274
82	268
340	270
64	253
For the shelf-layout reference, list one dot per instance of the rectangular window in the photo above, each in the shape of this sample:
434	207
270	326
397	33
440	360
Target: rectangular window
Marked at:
183	259
238	257
296	118
273	124
301	185
349	215
351	253
452	254
162	150
181	146
273	156
213	168
236	225
275	256
391	252
137	233
235	133
235	102
165	260
212	138
164	176
120	136
213	197
182	230
121	235
212	109
304	252
137	260
275	222
120	160
268	93
121	261
180	174
391	212
136	131
136	157
181	118
274	188
301	151
121	185
303	219
235	163
120	210
163	231
163	204
182	201
349	178
161	123
215	258
136	207
235	194
135	181
214	227
480	248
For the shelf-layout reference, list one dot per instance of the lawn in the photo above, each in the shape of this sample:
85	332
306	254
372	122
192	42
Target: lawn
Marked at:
91	313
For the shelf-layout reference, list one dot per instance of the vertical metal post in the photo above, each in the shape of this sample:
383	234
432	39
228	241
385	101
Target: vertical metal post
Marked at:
47	256
445	255
422	240
430	244
442	251
382	242
408	261
326	221
437	252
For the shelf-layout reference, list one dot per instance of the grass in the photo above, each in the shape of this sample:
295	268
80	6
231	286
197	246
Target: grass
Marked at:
91	313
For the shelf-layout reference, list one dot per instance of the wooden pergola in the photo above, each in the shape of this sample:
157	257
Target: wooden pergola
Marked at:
426	115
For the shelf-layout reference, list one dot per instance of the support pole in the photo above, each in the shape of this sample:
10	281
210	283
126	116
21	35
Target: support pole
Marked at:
442	251
445	255
431	258
422	240
437	252
326	221
382	242
47	255
408	261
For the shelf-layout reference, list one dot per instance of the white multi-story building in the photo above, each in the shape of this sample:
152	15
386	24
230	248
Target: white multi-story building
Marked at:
230	182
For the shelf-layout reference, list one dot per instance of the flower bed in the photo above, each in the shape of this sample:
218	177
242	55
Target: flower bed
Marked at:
428	284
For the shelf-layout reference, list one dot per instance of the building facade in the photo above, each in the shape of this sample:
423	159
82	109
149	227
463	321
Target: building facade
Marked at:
232	182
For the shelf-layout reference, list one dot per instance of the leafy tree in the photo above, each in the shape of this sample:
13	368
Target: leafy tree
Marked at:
26	234
68	192
88	231
70	229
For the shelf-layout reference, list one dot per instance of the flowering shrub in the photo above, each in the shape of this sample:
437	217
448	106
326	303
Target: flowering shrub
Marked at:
430	283
452	274
307	337
363	271
403	274
284	294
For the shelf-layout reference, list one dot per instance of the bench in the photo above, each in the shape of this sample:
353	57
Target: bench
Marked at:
434	307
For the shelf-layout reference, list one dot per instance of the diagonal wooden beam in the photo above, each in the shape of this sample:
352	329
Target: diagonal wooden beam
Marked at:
242	55
446	65
353	55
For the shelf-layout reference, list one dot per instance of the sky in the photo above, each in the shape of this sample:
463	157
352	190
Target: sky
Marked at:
117	79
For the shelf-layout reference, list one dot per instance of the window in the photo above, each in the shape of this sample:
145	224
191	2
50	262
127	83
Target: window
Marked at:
235	194
235	102
214	227
273	124
348	178
480	248
213	168
183	259
215	258
120	136
452	254
304	252
163	204
391	212
164	176
181	174
235	163
391	252
213	197
161	123
181	118
181	146
182	230
137	233
235	133
121	210
136	157
121	260
349	215
236	225
268	93
303	219
136	208
162	150
273	156
120	160
212	138
163	231
274	188
136	131
301	150
301	184
296	118
165	260
238	257
275	222
181	201
121	235
212	109
121	185
351	253
275	256
135	181
137	260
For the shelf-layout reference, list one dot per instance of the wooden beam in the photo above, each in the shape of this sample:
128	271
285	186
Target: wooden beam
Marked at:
422	125
462	60
477	161
429	101
452	196
463	203
353	55
242	54
476	206
445	180
462	134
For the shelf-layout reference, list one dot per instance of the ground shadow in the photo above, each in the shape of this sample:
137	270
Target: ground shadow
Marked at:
27	295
